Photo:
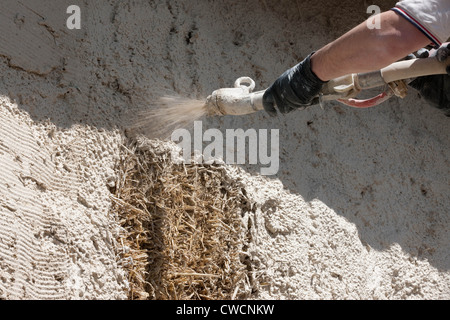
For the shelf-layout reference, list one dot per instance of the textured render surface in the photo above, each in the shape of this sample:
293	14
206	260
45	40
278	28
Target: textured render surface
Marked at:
358	209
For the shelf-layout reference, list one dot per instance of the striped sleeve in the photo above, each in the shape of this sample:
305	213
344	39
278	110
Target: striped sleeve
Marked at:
431	17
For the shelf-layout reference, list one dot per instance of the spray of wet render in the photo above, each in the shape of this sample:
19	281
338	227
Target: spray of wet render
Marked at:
169	113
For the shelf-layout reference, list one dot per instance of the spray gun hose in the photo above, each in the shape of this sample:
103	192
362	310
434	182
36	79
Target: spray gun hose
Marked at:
241	100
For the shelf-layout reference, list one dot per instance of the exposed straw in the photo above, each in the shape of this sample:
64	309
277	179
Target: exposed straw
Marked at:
183	234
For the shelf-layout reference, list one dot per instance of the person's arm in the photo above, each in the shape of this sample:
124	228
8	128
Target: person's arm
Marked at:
363	49
359	50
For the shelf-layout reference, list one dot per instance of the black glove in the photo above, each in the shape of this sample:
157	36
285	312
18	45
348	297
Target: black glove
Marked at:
295	88
435	89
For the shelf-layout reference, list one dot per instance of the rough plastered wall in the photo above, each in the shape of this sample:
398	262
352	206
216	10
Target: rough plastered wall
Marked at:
358	209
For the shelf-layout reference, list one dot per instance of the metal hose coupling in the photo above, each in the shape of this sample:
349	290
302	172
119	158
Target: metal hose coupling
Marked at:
239	100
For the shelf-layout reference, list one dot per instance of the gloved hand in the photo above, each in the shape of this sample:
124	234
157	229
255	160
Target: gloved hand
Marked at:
435	89
295	88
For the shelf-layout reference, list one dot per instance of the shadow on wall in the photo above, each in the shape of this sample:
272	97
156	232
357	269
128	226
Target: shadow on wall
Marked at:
126	56
384	169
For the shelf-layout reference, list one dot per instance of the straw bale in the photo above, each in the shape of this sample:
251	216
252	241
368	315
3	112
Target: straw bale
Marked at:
183	234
